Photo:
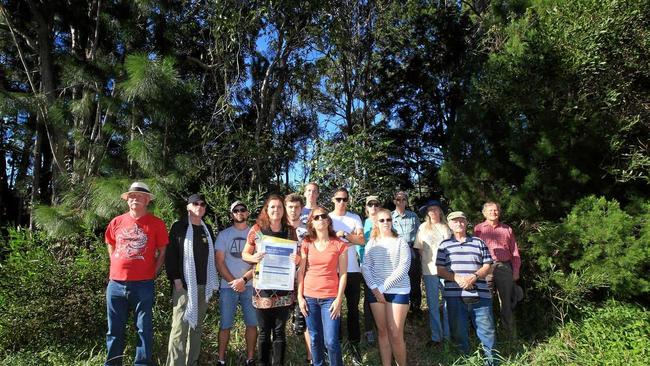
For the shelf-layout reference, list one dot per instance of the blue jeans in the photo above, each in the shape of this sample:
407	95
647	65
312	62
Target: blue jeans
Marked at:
433	287
122	297
324	332
481	316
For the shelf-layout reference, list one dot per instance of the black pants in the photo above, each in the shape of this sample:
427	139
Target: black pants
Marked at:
352	297
368	320
415	276
272	321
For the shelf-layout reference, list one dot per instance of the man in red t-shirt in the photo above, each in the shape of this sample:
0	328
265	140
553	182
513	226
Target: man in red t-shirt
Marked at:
504	251
136	246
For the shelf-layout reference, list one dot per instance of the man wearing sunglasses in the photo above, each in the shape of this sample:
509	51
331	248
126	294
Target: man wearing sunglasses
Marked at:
236	284
349	228
192	272
406	224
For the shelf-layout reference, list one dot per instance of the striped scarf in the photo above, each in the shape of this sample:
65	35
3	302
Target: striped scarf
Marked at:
189	271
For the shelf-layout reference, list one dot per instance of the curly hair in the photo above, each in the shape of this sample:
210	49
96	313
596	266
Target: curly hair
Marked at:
263	219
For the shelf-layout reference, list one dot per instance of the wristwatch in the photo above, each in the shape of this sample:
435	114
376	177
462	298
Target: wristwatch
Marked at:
345	235
245	279
477	276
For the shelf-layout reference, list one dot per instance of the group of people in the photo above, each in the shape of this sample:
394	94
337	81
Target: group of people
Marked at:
338	257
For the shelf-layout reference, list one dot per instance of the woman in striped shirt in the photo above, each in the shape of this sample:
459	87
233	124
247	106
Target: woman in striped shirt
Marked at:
385	268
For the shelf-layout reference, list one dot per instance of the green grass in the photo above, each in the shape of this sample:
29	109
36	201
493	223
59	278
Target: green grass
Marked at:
616	334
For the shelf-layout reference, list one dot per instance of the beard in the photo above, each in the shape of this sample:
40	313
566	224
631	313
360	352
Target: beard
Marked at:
239	221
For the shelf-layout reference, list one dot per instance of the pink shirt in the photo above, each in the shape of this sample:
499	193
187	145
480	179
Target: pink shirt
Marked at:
501	242
321	276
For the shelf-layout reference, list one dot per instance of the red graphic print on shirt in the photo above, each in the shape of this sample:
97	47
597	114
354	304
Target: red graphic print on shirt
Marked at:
131	243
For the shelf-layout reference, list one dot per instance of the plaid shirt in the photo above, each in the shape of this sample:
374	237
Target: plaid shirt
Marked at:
501	242
406	225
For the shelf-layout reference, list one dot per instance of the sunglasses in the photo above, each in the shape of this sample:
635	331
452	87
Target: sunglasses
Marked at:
319	217
385	220
373	204
202	204
239	210
400	200
341	199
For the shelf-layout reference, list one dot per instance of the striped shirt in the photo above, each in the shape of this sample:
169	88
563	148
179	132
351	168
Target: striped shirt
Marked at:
465	259
386	265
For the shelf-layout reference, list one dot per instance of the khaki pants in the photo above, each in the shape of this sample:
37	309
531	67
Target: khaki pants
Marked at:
503	284
181	350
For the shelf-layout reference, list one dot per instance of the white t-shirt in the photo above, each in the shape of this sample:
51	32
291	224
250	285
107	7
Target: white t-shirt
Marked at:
349	223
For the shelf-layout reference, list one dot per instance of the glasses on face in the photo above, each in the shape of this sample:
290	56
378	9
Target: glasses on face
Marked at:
373	204
400	199
239	210
202	204
385	220
341	199
319	217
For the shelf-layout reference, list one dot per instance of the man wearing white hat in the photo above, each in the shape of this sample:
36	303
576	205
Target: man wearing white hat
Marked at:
136	246
464	261
236	284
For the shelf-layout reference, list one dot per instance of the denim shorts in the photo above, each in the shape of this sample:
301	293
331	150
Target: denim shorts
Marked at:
392	298
228	300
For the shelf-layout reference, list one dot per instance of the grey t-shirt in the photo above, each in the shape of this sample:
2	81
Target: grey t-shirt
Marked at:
231	242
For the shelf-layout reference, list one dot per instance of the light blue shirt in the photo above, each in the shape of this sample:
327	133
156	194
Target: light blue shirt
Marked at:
406	225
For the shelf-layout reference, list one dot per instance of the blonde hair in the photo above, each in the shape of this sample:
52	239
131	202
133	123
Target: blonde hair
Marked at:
428	225
375	228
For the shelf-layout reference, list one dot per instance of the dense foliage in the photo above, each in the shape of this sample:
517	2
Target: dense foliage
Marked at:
541	105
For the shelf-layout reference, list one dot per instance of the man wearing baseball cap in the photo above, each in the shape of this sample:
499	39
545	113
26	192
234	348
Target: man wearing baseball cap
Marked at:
136	244
191	270
464	262
236	283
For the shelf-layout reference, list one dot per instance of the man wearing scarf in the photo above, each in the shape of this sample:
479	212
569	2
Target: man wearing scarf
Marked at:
191	269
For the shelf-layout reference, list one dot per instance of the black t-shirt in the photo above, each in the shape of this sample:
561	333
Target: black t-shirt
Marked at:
200	248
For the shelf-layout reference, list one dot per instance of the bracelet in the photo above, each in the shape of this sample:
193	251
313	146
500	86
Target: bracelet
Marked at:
245	279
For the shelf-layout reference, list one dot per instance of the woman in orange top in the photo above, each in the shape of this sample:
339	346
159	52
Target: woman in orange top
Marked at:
321	286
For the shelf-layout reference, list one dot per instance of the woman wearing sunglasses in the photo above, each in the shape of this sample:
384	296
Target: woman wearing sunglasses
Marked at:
273	306
321	285
385	268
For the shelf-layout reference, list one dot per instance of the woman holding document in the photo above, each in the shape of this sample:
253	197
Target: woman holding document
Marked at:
321	285
273	306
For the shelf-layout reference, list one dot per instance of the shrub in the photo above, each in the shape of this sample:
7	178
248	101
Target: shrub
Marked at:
618	334
597	245
52	291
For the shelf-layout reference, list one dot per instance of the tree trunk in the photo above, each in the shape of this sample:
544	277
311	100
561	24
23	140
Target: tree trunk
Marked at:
36	176
44	20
